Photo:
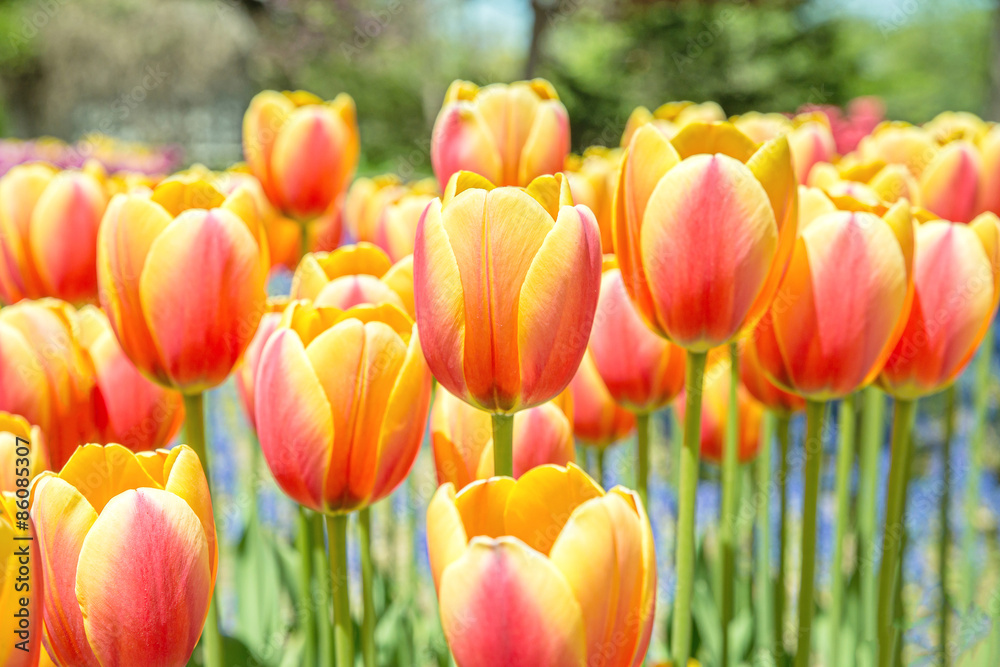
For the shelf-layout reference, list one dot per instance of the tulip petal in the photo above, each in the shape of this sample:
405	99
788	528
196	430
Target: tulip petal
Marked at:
547	144
608	582
267	113
294	419
446	539
704	291
543	500
557	303
542	435
185	478
950	183
350	291
62	518
462	140
482	504
706	137
101	473
439	301
152	546
202	291
504	605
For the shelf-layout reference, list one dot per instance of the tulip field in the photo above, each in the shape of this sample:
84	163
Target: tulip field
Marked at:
720	391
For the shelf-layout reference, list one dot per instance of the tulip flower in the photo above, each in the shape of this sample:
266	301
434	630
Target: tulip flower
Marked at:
956	277
505	285
598	420
127	554
545	570
705	223
46	375
48	232
592	179
462	438
755	379
385	211
334	443
302	149
839	313
353	275
508	133
810	138
128	408
182	273
15	432
20	581
671	117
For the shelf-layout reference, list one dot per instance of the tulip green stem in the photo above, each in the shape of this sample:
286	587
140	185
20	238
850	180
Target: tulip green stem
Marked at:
813	452
336	529
303	239
892	537
872	416
306	617
687	497
599	460
642	423
944	616
780	589
981	405
194	434
845	460
765	590
503	445
368	588
730	496
322	591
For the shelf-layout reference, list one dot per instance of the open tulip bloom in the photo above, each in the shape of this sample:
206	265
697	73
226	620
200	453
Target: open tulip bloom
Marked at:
546	570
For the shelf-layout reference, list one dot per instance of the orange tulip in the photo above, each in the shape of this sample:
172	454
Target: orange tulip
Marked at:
128	408
592	178
704	226
48	232
128	556
182	273
508	133
385	211
956	277
462	437
715	414
641	371
15	433
566	570
838	311
506	283
352	275
303	150
764	391
246	372
46	375
671	117
597	419
341	402
21	592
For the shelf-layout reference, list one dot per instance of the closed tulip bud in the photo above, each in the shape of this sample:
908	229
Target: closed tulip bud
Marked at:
462	437
810	142
385	211
352	275
704	226
897	142
21	591
396	227
837	315
566	569
715	414
48	232
303	150
341	403
592	178
46	375
671	117
951	125
597	419
949	184
756	382
642	371
128	408
128	556
246	372
956	277
506	283
16	433
508	133
182	272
